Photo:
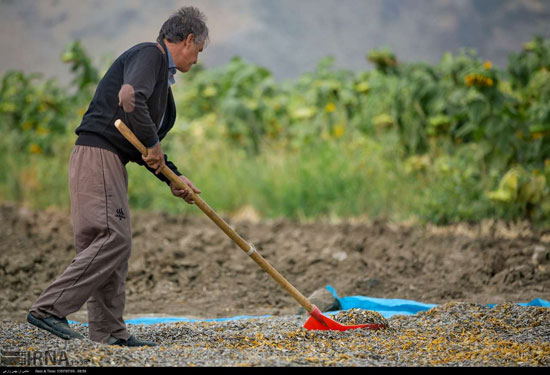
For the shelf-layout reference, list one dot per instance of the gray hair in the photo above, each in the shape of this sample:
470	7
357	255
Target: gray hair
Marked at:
187	20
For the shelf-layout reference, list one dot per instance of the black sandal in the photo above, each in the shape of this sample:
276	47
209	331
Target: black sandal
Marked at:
132	341
55	325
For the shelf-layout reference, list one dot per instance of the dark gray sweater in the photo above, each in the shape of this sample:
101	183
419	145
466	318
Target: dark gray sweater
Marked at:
135	89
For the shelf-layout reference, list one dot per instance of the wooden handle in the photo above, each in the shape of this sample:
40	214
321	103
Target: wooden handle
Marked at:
245	246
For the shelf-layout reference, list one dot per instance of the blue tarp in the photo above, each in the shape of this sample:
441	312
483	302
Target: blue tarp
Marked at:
386	307
390	307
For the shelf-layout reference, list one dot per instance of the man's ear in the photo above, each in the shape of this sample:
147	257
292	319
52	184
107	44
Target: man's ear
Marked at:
190	39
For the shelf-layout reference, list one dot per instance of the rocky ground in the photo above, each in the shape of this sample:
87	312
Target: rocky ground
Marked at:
452	334
185	266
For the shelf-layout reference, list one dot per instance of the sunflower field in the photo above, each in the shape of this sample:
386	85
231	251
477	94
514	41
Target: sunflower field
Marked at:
461	140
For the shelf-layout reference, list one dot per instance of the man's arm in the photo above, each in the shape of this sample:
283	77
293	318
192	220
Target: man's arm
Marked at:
160	176
184	194
139	80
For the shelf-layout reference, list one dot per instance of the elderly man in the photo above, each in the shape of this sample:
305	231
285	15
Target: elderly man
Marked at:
135	89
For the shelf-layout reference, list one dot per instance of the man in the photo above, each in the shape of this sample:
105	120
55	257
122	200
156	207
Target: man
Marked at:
136	89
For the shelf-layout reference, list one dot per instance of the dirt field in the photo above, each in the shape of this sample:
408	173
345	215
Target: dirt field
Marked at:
184	266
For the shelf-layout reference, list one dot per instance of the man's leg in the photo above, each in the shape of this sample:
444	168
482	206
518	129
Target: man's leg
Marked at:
106	306
99	207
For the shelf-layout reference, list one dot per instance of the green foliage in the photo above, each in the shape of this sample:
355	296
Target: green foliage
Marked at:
35	112
86	76
238	93
527	191
384	60
38	112
457	140
534	57
255	109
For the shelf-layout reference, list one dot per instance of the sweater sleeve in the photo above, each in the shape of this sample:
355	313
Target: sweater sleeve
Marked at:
139	80
160	176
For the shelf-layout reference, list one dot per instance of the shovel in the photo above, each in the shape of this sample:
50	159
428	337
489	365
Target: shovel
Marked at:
316	321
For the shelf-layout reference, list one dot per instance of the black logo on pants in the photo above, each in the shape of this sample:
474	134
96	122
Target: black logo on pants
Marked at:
120	214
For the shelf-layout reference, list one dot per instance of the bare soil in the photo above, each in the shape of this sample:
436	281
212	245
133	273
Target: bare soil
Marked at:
186	266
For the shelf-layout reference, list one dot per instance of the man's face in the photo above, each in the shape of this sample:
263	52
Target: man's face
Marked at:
186	53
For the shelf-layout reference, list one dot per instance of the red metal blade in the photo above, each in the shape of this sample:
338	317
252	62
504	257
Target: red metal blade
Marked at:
318	321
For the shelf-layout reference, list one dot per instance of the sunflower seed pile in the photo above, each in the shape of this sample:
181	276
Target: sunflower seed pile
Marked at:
453	334
360	316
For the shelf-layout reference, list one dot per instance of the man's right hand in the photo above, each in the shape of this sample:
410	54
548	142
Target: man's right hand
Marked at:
155	158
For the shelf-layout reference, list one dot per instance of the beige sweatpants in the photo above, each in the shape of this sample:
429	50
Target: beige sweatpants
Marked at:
98	184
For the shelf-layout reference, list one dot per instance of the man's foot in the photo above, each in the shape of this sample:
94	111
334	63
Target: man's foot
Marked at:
55	325
132	341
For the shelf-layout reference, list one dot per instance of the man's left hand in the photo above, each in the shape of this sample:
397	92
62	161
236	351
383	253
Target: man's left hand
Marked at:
186	195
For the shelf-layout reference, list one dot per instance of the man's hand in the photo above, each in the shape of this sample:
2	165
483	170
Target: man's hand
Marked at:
155	158
184	194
